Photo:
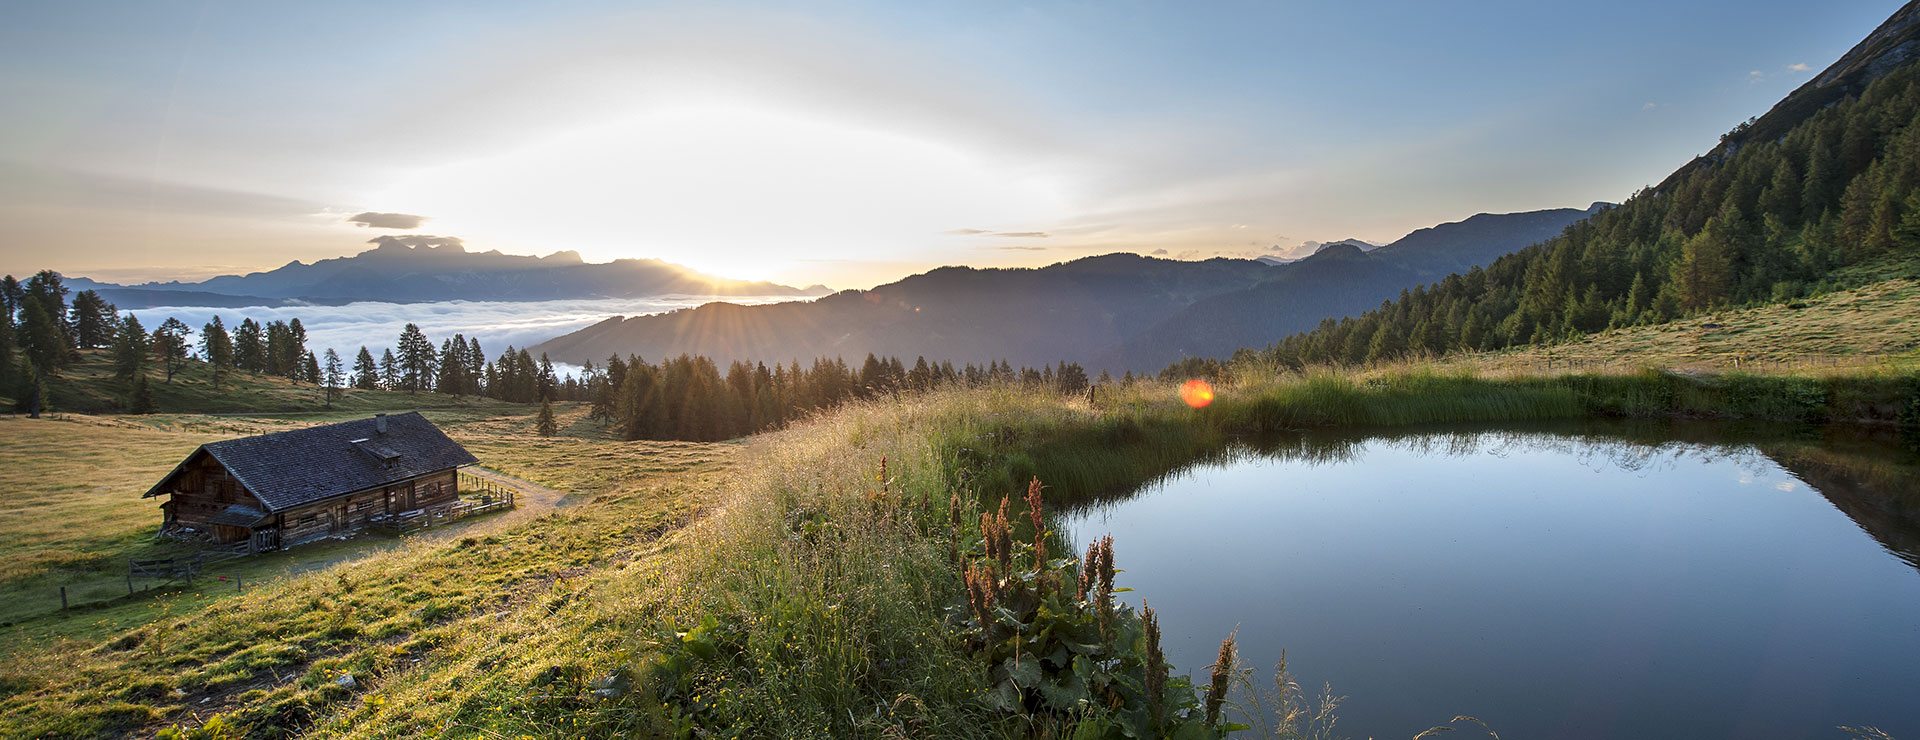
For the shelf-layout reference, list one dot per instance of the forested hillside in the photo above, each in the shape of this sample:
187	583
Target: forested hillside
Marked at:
1757	220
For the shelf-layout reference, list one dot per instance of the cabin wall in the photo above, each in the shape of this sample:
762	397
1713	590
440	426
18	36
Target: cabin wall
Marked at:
201	490
351	513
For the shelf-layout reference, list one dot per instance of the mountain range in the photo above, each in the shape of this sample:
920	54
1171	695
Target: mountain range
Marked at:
414	269
1110	312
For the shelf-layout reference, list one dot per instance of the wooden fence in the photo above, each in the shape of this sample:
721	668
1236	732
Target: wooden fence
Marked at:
479	496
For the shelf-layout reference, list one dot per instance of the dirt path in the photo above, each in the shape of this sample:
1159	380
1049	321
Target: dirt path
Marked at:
531	499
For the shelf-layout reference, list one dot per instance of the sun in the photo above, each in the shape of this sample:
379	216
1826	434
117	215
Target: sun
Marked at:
731	188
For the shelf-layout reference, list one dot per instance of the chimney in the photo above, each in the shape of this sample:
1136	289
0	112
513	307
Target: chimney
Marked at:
380	423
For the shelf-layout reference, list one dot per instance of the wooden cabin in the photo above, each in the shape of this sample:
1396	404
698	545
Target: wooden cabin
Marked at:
287	488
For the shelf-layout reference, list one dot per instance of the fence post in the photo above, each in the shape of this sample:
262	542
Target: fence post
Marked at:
129	579
63	598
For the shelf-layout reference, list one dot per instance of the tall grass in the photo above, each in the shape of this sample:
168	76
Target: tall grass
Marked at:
824	601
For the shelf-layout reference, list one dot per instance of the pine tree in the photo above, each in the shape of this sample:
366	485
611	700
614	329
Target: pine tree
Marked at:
309	369
130	349
30	390
46	289
8	351
93	319
216	347
11	294
169	345
41	340
334	377
140	396
546	426
366	374
417	360
389	370
250	347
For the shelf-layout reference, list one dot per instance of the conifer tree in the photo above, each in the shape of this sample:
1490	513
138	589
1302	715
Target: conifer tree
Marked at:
140	396
93	320
366	374
216	347
333	377
169	343
130	349
545	425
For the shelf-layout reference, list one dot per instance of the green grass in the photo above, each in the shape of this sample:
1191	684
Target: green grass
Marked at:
773	586
269	658
1869	317
776	586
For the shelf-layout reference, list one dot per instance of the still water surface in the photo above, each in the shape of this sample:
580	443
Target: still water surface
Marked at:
1553	584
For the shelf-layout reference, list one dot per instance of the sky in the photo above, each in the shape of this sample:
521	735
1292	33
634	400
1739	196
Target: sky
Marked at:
849	143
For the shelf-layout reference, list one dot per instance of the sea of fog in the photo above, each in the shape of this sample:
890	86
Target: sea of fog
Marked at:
497	324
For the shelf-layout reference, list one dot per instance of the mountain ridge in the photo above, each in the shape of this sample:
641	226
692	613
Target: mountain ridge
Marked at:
1088	310
417	269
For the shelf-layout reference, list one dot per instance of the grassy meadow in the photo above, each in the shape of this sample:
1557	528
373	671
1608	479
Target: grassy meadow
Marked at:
1873	321
801	583
808	582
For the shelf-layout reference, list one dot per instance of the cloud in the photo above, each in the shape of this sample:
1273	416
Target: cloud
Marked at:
1649	105
495	323
1798	67
370	219
1159	253
1023	248
1008	234
420	240
1756	75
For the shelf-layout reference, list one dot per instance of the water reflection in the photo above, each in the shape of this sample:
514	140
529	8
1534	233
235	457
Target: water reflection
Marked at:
1597	580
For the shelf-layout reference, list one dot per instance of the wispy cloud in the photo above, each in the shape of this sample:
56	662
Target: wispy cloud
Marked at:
371	219
1756	76
1022	248
1649	105
1008	234
1798	67
1159	253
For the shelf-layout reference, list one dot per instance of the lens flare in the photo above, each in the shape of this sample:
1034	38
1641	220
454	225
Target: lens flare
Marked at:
1196	393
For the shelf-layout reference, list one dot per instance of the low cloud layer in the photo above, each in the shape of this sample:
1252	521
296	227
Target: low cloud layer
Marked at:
374	220
377	325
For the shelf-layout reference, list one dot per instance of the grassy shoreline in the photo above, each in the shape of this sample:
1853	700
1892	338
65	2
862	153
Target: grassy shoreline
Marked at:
822	593
805	550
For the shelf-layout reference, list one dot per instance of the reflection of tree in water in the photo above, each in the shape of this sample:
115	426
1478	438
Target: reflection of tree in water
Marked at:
1879	492
1871	479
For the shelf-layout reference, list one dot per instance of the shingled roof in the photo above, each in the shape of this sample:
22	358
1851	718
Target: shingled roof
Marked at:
294	468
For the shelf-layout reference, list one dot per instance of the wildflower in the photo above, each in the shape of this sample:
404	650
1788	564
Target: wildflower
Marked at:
999	541
980	588
1217	687
1088	566
1156	683
1036	510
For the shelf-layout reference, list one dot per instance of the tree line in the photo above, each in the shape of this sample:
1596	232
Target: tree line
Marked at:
689	398
685	398
1767	220
42	334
